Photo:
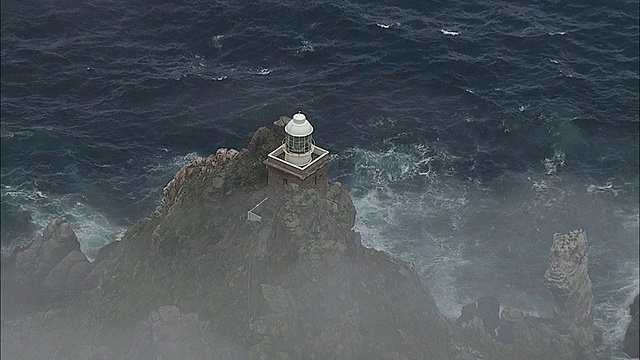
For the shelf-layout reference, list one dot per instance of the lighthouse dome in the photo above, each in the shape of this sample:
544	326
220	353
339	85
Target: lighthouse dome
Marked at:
299	126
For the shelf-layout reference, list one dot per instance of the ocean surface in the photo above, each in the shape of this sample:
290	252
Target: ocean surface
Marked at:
466	132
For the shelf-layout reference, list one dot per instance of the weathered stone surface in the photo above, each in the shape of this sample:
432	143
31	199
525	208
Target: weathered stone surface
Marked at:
278	126
47	251
485	312
630	343
65	277
278	299
217	182
568	279
168	334
43	271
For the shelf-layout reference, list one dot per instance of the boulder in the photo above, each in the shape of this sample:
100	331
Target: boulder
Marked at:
65	278
630	343
46	251
52	265
485	311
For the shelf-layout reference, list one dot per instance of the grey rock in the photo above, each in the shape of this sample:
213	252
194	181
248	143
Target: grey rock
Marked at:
278	126
278	299
568	279
66	276
217	182
487	309
47	263
168	334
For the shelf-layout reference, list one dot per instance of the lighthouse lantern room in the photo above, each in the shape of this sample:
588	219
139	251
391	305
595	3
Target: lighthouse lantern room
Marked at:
298	160
299	141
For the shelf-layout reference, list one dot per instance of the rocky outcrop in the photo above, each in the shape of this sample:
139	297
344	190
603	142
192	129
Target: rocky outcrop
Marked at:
278	126
52	266
176	191
483	315
568	279
317	291
571	334
630	343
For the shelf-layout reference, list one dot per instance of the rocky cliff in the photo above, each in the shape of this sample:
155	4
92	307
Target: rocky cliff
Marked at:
196	280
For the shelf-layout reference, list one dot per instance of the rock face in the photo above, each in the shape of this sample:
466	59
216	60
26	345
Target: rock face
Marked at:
168	334
571	334
630	343
316	290
483	315
52	266
568	279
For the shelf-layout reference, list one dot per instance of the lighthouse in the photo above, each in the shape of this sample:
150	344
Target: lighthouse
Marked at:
297	161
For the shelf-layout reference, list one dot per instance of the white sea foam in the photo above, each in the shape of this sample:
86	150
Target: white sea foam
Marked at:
17	134
465	237
261	71
449	32
387	26
215	41
172	164
554	164
606	188
407	224
306	47
93	228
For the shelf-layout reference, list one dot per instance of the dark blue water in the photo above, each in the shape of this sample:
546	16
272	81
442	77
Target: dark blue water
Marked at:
466	132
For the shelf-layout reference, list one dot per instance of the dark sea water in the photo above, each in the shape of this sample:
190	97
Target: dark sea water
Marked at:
467	132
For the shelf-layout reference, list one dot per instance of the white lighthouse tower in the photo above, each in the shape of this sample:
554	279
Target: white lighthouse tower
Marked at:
298	160
299	142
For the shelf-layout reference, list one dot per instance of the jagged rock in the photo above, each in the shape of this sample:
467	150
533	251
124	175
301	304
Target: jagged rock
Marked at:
47	250
630	343
106	251
568	279
278	126
318	291
47	263
482	315
511	314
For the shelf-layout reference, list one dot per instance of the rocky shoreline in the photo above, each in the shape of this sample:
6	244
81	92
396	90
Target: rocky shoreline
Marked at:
196	280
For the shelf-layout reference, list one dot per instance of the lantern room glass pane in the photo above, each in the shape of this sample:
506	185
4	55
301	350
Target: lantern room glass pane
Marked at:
299	145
